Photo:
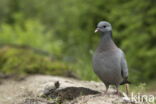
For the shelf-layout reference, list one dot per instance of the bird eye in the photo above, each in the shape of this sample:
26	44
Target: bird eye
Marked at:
104	26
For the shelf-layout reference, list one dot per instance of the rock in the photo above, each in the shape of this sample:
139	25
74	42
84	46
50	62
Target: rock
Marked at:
40	89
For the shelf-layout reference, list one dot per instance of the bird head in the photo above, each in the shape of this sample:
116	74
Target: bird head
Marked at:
103	27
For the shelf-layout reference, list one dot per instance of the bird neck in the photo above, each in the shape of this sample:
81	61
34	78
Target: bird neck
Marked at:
106	42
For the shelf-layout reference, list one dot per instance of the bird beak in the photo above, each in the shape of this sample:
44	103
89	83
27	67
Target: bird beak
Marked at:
96	30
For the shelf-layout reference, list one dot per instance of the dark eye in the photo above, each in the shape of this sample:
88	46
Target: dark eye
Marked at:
104	26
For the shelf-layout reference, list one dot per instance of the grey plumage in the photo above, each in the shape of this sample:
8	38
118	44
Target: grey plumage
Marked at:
108	61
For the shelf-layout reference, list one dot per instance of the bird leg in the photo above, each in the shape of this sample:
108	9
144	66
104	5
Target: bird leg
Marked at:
106	92
117	90
107	86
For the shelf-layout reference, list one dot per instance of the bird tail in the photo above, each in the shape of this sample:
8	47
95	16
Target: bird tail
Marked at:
125	82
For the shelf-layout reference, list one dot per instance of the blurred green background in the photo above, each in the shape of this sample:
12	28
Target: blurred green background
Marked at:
56	37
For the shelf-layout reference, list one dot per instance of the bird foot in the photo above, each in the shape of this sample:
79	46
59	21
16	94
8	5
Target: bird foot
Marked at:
105	92
117	93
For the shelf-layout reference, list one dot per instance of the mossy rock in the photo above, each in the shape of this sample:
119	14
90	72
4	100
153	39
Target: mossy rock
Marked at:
24	61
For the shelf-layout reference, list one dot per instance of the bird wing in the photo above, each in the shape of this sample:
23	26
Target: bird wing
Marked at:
124	68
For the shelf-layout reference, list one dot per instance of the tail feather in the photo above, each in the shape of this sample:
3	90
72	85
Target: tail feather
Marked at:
125	82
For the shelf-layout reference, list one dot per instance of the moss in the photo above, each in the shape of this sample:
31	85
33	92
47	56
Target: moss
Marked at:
21	62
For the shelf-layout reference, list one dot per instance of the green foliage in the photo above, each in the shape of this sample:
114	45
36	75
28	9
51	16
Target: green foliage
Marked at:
31	33
135	89
20	62
84	69
65	29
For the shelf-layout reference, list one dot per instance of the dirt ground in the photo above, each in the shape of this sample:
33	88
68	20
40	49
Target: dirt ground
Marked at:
40	89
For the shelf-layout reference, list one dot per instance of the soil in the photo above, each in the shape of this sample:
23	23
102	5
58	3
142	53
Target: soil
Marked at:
39	89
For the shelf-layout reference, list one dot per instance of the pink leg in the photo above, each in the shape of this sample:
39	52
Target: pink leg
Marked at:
117	90
107	86
106	91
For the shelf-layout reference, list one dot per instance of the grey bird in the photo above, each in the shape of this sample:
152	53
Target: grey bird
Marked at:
108	61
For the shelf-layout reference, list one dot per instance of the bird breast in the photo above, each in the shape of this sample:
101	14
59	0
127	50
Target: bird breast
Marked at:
107	66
